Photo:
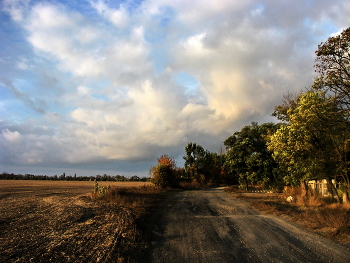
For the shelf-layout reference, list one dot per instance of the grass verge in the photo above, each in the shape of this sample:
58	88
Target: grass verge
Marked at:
314	213
140	202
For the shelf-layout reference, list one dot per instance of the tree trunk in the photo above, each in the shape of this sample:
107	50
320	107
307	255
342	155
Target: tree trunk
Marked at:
332	190
346	193
345	197
305	188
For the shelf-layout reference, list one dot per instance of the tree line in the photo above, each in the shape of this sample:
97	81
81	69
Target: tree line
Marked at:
311	140
64	177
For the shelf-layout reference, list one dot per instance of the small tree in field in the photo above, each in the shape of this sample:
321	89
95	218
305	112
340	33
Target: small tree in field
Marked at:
165	173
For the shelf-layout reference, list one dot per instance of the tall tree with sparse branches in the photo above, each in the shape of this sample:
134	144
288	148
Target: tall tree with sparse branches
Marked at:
333	67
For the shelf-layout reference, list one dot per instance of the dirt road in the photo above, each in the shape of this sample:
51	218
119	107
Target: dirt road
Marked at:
213	226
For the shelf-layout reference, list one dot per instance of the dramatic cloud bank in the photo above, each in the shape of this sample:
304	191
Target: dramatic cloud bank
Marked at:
105	86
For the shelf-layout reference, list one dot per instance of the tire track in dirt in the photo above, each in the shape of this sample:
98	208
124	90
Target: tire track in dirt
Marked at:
56	227
212	226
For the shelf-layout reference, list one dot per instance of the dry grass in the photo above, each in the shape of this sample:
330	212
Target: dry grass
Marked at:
315	213
131	197
142	202
334	215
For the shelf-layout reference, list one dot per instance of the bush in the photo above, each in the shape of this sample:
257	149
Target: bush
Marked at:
165	174
100	191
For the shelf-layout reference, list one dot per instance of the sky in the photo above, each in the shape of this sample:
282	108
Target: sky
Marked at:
107	87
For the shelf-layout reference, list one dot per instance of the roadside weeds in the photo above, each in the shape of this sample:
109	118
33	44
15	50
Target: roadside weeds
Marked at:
319	215
142	202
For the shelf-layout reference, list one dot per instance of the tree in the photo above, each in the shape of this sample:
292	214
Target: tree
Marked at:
194	162
248	158
165	173
333	66
203	166
306	148
215	173
63	176
134	178
289	102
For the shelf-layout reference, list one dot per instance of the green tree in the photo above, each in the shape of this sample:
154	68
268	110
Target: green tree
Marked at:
63	176
165	173
203	166
333	66
134	178
195	159
215	172
248	158
306	148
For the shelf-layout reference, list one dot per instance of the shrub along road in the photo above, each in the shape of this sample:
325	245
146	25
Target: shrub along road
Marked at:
213	226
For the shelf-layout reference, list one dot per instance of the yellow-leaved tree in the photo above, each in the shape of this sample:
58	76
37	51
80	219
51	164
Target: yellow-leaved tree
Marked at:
308	146
165	173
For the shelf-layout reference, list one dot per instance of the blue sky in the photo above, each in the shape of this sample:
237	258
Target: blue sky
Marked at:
93	87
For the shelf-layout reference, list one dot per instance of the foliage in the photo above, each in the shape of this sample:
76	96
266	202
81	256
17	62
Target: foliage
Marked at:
165	173
289	102
101	191
307	148
333	66
248	158
194	162
203	166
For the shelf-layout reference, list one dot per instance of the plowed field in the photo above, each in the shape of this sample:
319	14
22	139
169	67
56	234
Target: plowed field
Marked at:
58	221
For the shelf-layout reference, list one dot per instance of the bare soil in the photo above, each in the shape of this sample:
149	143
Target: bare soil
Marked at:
48	221
58	221
213	226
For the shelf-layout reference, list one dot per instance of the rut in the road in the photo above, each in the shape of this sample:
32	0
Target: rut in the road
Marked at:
212	226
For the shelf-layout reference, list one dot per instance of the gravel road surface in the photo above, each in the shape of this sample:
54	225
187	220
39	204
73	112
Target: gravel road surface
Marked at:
213	226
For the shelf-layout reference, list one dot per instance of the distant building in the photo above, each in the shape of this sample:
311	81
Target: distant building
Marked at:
320	186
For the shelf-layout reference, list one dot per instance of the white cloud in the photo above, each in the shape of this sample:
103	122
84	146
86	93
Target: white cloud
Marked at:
114	73
119	17
196	11
88	34
65	37
12	137
87	49
16	8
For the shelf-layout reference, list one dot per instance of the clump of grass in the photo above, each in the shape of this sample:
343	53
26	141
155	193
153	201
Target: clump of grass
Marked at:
293	191
334	215
269	207
313	212
131	197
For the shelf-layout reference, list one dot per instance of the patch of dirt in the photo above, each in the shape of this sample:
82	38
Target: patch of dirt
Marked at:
213	226
64	224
